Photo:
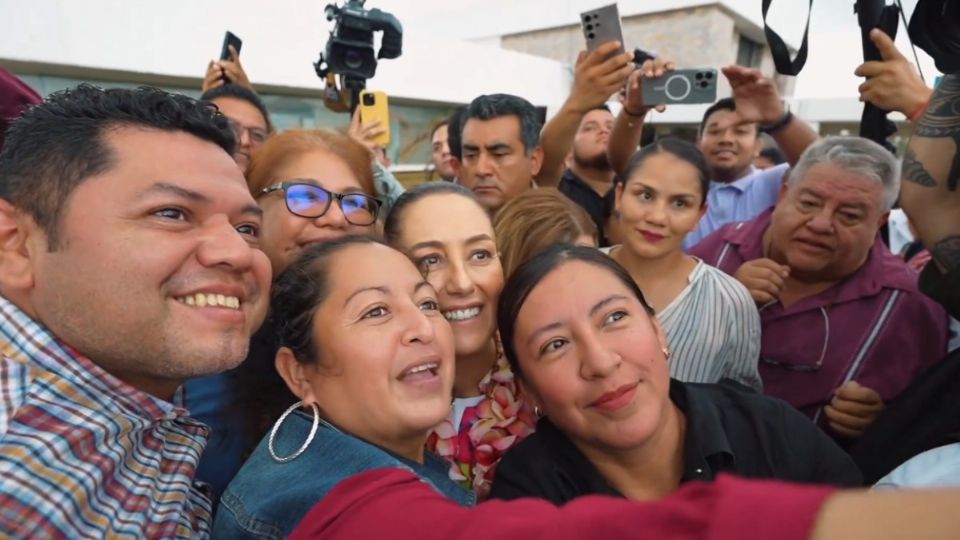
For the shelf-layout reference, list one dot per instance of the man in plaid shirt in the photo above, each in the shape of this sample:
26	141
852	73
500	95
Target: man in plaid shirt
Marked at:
128	263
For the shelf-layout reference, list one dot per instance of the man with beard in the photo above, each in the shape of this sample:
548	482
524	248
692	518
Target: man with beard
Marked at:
589	177
577	136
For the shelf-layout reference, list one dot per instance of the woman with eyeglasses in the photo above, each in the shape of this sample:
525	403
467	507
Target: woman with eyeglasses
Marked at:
313	186
595	362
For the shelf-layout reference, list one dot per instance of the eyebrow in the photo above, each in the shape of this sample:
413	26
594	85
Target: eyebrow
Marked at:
439	245
380	289
193	196
593	311
497	146
422	285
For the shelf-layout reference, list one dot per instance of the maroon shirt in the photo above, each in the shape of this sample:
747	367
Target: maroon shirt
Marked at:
15	97
394	503
878	329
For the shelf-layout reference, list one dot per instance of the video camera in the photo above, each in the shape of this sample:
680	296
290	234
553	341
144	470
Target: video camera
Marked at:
935	28
349	51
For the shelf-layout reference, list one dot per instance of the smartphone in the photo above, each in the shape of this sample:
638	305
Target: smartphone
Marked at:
682	86
230	39
602	25
374	106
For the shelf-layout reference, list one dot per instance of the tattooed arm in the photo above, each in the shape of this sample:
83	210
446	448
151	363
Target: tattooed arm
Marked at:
931	172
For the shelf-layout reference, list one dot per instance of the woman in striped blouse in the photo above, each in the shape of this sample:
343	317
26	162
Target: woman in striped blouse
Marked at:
710	321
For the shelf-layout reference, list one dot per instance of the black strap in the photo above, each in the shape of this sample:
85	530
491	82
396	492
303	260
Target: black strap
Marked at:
779	49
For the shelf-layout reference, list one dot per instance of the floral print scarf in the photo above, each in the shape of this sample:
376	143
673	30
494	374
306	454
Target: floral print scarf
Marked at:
487	430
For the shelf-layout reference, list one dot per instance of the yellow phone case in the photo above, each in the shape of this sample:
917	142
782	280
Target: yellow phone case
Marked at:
374	106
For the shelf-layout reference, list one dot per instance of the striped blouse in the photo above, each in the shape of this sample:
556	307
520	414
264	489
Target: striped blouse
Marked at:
713	330
83	455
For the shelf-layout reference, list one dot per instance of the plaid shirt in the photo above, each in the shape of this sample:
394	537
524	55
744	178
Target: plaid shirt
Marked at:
84	455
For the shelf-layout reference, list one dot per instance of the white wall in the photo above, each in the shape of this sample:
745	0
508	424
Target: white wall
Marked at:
281	40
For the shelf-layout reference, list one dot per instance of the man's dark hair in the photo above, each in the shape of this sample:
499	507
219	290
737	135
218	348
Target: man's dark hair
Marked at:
488	107
725	104
60	143
242	93
774	155
454	131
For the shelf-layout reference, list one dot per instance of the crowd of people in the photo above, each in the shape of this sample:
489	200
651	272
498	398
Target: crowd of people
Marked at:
210	328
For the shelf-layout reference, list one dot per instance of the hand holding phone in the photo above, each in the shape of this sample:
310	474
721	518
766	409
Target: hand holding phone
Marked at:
374	107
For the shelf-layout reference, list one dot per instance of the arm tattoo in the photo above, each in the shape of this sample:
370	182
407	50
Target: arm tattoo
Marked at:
947	253
942	120
914	171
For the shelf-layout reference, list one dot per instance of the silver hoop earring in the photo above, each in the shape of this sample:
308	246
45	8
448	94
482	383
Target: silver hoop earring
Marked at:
537	411
666	353
306	443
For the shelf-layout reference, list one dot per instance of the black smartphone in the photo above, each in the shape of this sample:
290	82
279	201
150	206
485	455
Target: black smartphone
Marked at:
230	39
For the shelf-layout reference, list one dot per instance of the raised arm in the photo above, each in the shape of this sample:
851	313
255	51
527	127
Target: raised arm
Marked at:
931	172
758	101
596	77
628	128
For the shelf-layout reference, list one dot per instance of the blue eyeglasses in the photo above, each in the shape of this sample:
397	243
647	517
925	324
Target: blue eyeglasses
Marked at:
312	201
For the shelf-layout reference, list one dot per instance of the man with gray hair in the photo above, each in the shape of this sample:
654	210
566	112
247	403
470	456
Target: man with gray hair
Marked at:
845	328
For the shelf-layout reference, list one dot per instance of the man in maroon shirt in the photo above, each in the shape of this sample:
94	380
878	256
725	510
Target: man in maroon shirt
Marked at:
845	328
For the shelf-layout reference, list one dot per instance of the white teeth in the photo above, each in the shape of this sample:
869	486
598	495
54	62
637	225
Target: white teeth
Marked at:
212	300
461	314
422	368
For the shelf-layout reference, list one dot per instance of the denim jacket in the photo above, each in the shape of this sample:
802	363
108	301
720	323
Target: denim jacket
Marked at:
267	499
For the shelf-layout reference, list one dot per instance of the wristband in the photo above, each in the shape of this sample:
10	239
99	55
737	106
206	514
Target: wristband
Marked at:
770	129
918	112
626	110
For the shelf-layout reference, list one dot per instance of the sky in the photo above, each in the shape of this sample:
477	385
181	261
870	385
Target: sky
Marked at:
834	36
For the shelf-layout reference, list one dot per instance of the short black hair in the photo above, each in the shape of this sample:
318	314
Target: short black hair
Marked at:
774	155
454	132
242	93
60	143
679	148
725	104
393	225
488	107
529	274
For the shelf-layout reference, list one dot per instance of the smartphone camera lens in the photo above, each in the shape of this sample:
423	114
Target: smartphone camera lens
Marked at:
703	84
699	76
589	27
709	75
591	35
368	100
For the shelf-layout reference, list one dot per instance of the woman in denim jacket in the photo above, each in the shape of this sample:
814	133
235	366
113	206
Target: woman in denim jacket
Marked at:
366	350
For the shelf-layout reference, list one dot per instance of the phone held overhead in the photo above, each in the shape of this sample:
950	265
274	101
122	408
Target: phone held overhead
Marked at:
374	106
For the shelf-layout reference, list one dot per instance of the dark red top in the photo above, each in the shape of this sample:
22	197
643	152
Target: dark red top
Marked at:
393	503
15	96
